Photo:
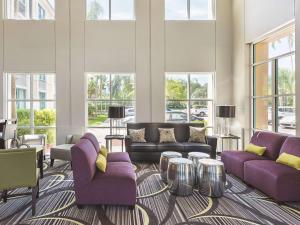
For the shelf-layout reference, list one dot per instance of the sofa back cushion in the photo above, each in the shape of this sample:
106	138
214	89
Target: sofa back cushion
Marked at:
181	130
272	141
92	138
84	159
291	146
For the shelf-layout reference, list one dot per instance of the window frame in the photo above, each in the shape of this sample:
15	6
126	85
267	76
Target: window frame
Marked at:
274	95
110	100
30	100
190	100
213	11
28	12
110	13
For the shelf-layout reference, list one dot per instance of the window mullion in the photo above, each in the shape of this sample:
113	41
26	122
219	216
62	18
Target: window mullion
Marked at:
109	13
189	9
274	99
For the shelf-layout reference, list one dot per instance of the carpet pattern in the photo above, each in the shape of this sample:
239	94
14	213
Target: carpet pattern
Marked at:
155	205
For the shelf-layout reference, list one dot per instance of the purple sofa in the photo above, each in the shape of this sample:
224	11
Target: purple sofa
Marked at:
117	186
278	181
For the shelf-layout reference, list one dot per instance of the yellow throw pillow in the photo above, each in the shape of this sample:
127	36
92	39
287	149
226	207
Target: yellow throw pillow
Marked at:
255	149
289	160
101	163
103	151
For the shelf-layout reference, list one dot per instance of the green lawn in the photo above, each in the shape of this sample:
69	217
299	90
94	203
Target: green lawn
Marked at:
97	120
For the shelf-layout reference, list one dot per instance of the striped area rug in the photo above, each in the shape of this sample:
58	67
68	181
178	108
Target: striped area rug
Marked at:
155	205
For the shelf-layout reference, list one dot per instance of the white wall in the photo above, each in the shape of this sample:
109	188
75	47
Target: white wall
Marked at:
264	16
253	20
148	47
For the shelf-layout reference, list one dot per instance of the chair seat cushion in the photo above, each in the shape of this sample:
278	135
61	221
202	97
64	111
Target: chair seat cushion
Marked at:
117	186
196	147
118	157
177	147
279	181
62	152
234	161
139	147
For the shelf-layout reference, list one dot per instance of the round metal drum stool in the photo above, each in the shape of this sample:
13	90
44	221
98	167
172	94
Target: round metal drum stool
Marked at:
181	176
211	177
195	156
163	164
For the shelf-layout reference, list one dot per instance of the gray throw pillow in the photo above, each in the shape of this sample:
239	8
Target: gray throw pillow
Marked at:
197	134
137	135
166	135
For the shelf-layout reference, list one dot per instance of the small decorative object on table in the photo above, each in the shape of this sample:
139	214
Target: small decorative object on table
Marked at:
211	177
181	176
164	162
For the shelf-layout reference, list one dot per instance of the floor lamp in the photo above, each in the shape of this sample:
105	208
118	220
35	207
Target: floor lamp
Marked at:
226	112
115	113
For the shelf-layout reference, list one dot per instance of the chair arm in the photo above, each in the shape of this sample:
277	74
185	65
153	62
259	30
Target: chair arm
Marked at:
128	143
212	141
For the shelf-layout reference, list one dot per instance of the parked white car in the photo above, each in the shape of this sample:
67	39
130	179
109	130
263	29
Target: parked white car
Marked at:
288	122
199	111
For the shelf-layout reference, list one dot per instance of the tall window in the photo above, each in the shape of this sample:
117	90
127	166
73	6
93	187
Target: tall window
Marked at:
104	90
32	102
190	98
189	9
29	9
273	82
110	10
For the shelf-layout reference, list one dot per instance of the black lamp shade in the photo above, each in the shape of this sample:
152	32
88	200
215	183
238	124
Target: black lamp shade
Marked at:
116	112
225	111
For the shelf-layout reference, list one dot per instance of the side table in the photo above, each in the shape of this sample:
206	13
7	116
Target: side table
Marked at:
109	138
229	137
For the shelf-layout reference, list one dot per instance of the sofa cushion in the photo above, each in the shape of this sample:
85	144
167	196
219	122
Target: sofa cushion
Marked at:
289	160
148	146
101	163
234	161
166	135
196	147
272	141
291	146
137	135
197	134
118	176
92	138
279	181
176	147
118	157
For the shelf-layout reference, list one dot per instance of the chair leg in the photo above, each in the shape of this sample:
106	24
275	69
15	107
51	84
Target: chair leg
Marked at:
131	207
80	206
52	162
4	195
35	195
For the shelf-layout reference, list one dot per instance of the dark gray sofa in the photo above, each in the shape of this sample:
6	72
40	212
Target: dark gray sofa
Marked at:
151	150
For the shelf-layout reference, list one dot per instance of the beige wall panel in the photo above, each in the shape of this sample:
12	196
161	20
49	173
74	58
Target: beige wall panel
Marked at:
29	46
110	46
190	46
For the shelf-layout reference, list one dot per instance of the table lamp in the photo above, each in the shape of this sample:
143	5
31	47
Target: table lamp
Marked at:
115	113
226	112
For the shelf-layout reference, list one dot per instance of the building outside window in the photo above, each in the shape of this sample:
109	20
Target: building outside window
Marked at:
104	90
29	9
273	83
189	9
190	98
110	10
32	104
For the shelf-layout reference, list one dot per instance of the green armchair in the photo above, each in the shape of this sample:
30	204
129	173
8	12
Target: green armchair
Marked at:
18	169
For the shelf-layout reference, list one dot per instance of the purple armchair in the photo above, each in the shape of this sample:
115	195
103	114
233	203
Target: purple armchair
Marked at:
117	186
278	181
